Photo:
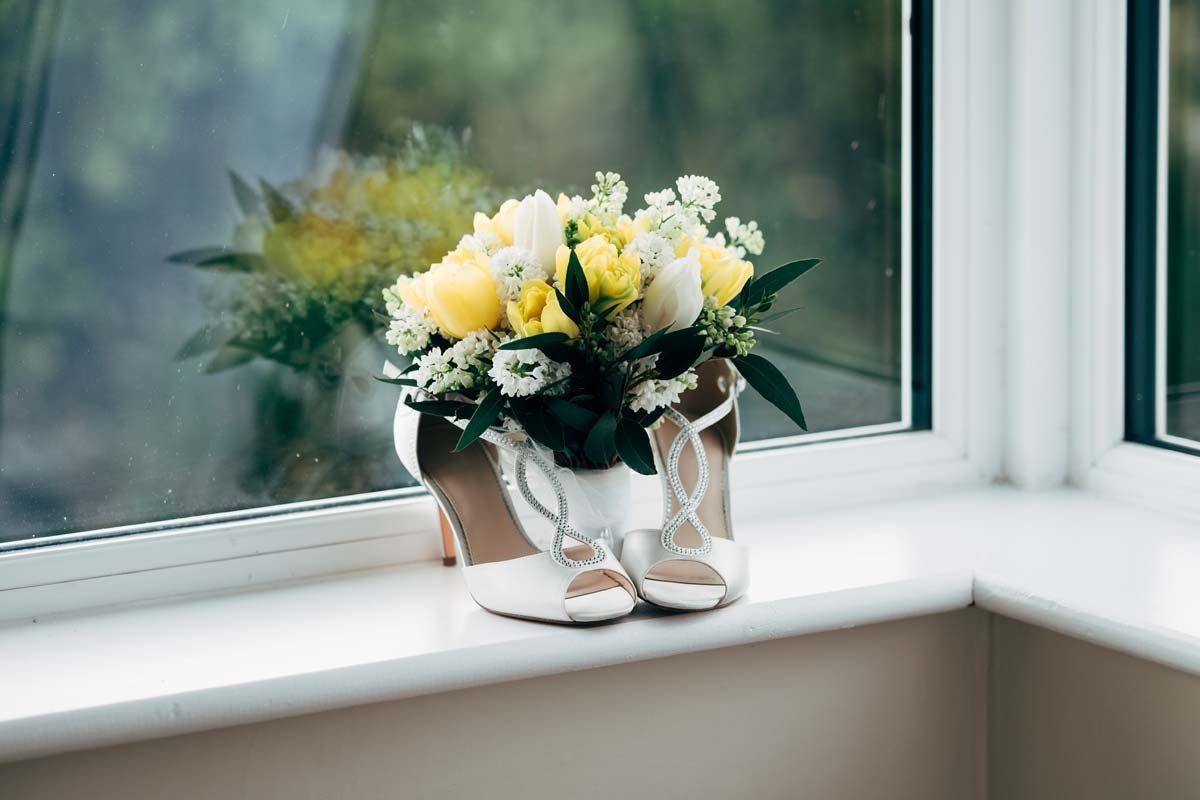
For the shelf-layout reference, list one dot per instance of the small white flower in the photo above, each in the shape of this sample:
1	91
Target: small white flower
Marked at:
655	252
649	395
521	373
744	238
437	373
624	330
486	242
609	193
699	194
473	354
409	329
577	207
661	201
512	267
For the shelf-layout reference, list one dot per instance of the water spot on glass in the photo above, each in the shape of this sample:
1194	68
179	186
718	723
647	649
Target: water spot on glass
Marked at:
889	272
854	145
871	205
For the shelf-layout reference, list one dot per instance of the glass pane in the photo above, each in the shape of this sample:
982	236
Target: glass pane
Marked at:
123	121
1182	379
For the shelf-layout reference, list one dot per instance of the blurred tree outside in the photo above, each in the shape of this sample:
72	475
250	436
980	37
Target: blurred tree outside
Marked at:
1183	223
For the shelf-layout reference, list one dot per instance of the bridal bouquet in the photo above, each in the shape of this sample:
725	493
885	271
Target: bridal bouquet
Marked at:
579	324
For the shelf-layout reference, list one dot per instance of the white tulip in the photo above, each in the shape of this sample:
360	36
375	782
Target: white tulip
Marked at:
674	298
539	229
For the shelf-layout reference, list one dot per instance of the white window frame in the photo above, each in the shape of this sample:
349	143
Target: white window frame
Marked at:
973	288
1101	459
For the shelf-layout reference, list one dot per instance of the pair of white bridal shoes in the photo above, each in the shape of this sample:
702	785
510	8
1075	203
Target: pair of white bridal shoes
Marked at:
691	563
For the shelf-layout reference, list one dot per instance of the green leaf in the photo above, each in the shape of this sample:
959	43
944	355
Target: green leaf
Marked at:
643	418
570	309
680	354
247	199
228	358
198	255
601	446
777	315
768	381
279	207
633	445
203	341
776	279
486	412
440	408
541	424
219	258
396	381
536	342
577	287
645	347
573	416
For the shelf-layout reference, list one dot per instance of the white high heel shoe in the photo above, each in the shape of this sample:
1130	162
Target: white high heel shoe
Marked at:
505	572
692	562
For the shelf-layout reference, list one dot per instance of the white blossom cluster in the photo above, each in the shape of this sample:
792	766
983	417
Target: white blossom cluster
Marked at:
655	252
463	366
744	238
486	242
674	216
624	332
649	395
699	195
512	267
521	373
609	193
409	329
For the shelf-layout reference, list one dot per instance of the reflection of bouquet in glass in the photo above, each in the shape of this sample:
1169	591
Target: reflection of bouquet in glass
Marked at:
305	273
579	324
314	254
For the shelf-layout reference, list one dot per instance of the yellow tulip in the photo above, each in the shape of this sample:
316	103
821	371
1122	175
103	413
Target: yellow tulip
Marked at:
459	292
722	273
536	310
501	225
613	280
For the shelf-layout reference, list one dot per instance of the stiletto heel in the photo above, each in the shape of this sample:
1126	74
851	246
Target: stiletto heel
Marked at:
449	558
576	580
692	562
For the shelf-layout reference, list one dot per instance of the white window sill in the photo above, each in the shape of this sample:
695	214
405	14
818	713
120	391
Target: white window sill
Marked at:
1111	573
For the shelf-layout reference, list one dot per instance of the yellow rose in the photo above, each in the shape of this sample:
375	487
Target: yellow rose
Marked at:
459	292
536	311
613	280
501	225
629	228
722	273
589	225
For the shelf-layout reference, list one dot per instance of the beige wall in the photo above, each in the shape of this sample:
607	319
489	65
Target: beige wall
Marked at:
1073	720
888	711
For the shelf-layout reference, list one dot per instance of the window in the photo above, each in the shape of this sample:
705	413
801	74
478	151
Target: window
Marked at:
122	122
1163	280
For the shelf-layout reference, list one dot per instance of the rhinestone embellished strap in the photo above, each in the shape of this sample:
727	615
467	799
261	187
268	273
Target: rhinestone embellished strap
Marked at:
689	503
526	452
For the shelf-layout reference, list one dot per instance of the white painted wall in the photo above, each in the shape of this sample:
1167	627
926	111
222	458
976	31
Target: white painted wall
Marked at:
1069	719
